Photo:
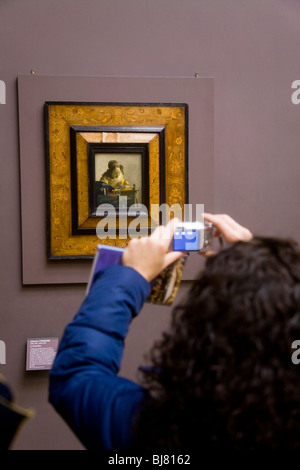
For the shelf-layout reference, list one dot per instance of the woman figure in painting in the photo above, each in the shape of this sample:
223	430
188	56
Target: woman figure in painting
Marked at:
114	175
113	184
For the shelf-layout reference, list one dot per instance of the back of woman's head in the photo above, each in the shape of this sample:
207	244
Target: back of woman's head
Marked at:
223	375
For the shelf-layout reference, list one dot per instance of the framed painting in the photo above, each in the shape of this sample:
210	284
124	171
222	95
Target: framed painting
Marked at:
110	169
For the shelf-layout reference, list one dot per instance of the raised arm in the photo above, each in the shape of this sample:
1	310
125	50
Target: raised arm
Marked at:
84	387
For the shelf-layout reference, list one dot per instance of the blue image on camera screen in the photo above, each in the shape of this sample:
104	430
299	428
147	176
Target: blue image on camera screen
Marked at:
186	240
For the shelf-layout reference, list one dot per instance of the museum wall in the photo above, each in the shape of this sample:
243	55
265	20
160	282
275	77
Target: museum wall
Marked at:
250	48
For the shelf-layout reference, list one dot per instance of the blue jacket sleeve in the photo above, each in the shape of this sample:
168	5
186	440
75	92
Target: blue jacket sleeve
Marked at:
84	388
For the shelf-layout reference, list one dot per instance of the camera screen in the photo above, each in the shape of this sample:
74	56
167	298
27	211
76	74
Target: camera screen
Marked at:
186	240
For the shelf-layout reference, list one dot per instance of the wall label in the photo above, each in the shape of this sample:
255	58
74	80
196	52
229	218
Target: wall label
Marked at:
41	353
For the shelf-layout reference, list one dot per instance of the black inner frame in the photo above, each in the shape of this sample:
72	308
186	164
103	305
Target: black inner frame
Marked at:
141	149
160	130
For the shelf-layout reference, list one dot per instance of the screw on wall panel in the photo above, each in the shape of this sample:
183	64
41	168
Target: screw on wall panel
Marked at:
32	72
197	74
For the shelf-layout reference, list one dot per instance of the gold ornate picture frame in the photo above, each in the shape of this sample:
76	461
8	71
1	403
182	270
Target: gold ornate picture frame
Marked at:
149	142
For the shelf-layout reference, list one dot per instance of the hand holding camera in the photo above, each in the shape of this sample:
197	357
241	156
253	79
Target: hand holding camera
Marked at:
150	255
198	236
228	228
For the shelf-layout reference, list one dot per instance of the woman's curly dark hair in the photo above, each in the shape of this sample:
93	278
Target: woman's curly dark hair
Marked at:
223	377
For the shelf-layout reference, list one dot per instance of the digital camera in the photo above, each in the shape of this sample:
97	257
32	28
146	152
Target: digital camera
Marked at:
193	236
